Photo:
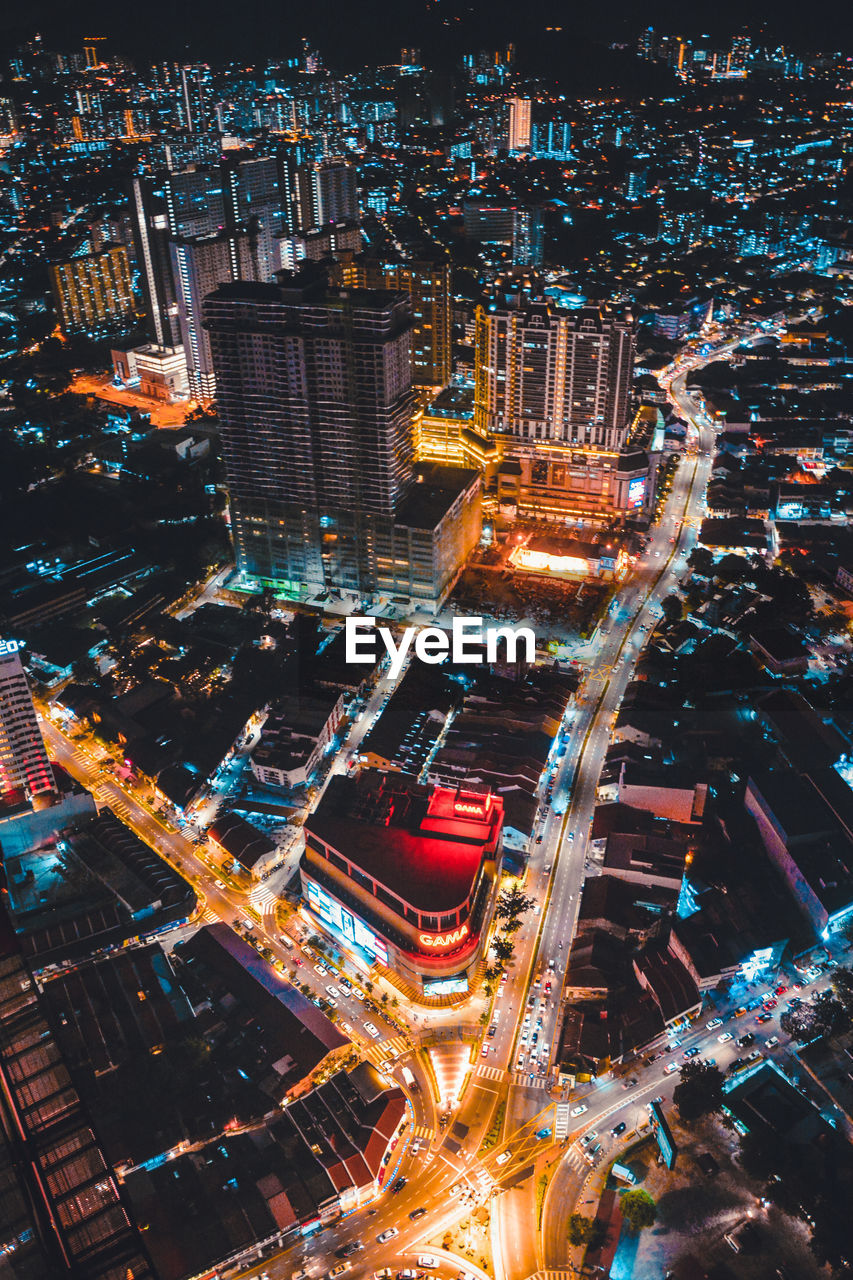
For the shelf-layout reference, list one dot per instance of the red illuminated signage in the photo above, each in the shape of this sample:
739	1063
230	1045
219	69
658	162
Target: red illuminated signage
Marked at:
444	939
461	807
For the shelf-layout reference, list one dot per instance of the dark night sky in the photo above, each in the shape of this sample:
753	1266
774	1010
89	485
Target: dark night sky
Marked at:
350	34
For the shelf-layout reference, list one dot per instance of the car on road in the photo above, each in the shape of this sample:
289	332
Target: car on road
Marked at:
318	968
738	1013
589	1137
417	1213
715	1022
484	1052
593	1153
398	1185
743	1042
503	1157
771	1043
670	1067
618	1129
691	1053
726	1036
578	1111
339	1269
219	884
547	868
371	1030
493	1030
333	991
388	1235
629	1084
427	1260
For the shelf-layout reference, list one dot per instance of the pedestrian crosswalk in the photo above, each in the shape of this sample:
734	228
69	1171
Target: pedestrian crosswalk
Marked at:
553	1275
263	899
209	916
421	1131
527	1081
382	1050
575	1158
490	1073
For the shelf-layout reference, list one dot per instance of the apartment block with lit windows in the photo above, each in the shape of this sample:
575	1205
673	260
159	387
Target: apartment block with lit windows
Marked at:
93	294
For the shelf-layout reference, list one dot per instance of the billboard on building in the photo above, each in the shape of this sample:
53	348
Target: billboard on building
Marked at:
637	491
663	1136
347	925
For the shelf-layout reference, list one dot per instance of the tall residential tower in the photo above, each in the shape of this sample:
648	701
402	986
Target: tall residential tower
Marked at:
24	765
315	397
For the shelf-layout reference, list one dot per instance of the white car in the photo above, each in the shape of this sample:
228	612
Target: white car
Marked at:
333	991
578	1111
715	1022
724	1038
503	1157
371	1030
670	1067
771	1043
427	1260
388	1235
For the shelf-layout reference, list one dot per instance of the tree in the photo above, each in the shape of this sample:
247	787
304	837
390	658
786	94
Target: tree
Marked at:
842	979
701	560
504	950
638	1209
673	610
732	568
512	903
584	1231
699	1091
824	1016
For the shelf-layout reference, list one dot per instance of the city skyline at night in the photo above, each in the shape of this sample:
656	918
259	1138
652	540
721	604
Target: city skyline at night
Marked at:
426	642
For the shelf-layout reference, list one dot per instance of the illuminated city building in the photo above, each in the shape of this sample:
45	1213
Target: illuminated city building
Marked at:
94	294
428	286
200	263
403	875
547	373
24	766
315	397
551	394
518	134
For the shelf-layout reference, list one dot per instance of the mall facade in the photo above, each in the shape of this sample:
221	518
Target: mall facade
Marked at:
404	875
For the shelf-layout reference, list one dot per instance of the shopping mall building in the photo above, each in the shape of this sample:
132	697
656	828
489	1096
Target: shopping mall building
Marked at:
404	875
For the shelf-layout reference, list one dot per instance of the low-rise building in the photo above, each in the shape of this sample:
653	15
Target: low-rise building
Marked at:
404	875
297	733
235	839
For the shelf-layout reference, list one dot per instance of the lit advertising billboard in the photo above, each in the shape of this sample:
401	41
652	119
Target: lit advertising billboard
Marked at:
446	987
665	1140
636	491
348	926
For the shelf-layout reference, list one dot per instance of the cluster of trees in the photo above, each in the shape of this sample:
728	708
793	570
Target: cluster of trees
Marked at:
511	906
699	1091
829	1013
789	595
637	1208
814	1183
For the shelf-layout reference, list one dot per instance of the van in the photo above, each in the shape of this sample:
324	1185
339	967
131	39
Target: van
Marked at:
286	942
741	1237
